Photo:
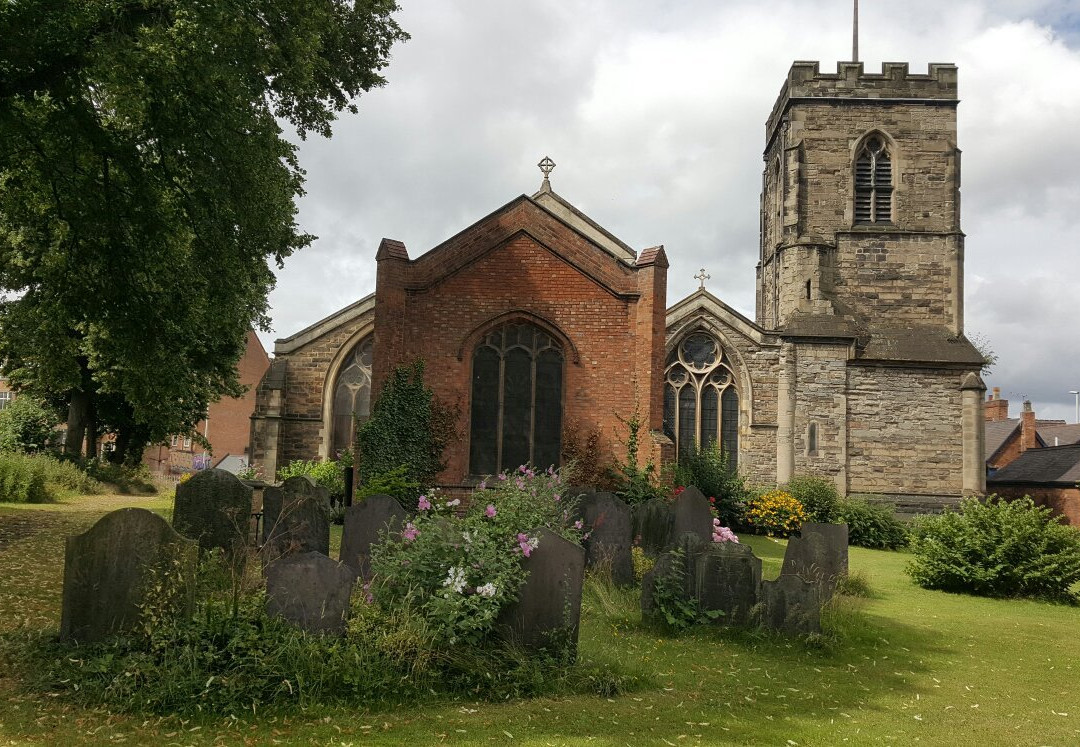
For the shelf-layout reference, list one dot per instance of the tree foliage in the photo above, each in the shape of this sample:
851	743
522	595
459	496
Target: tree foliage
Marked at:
26	424
145	183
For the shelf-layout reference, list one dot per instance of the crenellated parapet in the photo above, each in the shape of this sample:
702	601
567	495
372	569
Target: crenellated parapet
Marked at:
851	84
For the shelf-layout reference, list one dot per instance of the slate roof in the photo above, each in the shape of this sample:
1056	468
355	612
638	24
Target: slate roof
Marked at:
920	344
1065	434
1054	465
998	432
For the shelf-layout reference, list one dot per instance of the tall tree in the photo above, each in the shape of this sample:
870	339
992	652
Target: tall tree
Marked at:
145	184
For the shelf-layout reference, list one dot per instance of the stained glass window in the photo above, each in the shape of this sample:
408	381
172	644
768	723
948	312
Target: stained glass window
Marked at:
701	403
516	408
352	396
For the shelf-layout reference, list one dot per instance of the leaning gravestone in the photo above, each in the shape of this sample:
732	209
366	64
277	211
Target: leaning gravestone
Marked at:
819	553
547	612
609	524
654	525
311	591
693	515
671	564
364	522
792	605
213	507
296	518
107	568
729	580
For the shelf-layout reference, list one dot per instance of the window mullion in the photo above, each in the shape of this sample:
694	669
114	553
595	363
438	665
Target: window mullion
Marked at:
499	422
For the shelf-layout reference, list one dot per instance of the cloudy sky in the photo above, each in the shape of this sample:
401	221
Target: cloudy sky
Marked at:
654	111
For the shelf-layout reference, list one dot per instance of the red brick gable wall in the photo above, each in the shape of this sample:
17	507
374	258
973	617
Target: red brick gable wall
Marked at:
609	316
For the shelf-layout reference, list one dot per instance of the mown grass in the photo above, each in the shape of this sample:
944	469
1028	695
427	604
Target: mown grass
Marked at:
900	666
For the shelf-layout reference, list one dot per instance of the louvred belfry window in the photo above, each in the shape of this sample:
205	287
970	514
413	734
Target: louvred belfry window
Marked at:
701	403
873	183
516	409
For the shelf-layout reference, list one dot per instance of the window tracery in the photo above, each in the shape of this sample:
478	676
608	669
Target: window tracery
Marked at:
873	182
352	396
701	401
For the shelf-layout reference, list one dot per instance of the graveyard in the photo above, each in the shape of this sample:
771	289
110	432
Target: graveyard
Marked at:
899	665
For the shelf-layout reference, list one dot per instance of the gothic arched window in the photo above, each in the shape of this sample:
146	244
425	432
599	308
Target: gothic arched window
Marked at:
352	396
701	403
516	409
873	182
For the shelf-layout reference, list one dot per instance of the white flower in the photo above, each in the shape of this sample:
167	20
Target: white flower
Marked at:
455	579
487	590
455	502
467	538
534	542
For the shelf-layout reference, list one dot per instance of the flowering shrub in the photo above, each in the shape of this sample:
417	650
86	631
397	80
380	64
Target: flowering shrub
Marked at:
776	513
460	571
722	534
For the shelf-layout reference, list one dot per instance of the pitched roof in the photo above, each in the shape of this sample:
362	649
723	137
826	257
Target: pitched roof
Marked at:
1065	434
997	433
1054	465
921	344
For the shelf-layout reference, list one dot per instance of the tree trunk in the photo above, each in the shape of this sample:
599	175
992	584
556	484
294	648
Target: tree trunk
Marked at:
78	417
91	432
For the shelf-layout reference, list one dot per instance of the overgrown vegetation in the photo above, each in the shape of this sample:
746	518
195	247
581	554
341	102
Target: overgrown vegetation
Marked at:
409	427
128	479
634	482
27	424
677	610
38	478
872	525
395	483
997	548
818	497
328	473
709	470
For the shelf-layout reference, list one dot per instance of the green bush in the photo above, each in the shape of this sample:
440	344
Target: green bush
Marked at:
327	473
872	525
634	483
126	479
996	548
818	497
408	427
26	424
395	483
708	470
22	479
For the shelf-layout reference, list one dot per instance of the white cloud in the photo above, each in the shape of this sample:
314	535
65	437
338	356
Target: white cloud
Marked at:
655	115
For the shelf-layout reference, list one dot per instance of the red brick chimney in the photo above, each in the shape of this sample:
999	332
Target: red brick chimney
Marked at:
996	408
1027	428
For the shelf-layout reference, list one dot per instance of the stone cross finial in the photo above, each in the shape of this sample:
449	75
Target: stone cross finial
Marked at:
702	277
546	167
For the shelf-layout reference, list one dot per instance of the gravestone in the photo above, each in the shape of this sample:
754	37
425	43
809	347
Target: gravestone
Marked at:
214	508
692	549
792	605
311	591
654	525
609	524
818	553
107	568
296	518
729	580
692	514
547	612
363	523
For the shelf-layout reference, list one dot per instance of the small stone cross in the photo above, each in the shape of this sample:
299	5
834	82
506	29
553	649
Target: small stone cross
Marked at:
702	277
546	167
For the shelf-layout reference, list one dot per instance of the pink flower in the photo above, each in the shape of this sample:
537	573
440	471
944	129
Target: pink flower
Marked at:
482	485
502	475
410	533
557	498
578	524
490	511
423	504
526	544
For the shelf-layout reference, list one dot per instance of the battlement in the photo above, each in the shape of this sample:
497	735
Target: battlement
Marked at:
850	82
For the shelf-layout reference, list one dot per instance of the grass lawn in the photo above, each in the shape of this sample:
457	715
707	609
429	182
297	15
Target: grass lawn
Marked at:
904	666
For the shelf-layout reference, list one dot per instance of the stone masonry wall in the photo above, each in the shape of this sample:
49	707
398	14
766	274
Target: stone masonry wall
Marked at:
821	372
904	431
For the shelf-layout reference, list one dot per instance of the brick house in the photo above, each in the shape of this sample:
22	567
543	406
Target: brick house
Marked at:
1050	476
535	318
227	426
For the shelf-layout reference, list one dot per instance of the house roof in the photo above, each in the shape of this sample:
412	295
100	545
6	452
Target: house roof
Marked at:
997	433
1064	433
1054	465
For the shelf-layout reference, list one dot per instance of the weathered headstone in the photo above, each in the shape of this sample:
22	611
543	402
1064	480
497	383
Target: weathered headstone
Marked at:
107	568
792	605
547	612
214	508
364	521
692	548
818	553
609	524
296	518
311	591
692	514
729	580
654	525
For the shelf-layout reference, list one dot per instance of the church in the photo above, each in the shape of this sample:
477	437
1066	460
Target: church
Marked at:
541	325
